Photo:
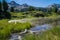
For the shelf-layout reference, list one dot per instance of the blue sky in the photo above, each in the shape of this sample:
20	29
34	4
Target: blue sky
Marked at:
37	3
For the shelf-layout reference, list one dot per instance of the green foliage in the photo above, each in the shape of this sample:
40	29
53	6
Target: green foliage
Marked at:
5	5
32	14
31	8
4	14
0	6
58	12
52	34
54	9
12	9
7	28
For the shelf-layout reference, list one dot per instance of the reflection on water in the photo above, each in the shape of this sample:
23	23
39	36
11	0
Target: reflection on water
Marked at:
41	27
44	27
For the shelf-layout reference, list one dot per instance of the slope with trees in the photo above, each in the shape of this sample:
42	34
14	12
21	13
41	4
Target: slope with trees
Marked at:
4	10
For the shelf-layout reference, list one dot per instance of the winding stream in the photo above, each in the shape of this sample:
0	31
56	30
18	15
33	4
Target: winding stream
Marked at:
35	29
47	24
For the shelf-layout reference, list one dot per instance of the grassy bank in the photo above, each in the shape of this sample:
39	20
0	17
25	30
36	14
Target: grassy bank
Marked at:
52	34
7	28
55	20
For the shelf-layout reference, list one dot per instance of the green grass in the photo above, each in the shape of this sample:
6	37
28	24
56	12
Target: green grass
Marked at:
52	34
7	28
31	14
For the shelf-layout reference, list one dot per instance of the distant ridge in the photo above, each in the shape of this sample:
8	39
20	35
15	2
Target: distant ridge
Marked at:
26	6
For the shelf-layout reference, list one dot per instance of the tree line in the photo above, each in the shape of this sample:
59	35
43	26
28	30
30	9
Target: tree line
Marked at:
4	13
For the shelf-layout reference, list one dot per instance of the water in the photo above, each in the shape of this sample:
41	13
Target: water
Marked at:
37	28
41	27
14	36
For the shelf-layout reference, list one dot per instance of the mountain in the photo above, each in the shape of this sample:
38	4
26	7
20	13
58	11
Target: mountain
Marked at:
24	7
17	6
13	4
54	5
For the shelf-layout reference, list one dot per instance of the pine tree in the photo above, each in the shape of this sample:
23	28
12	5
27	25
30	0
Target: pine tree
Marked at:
0	10
5	5
31	8
12	9
5	10
0	6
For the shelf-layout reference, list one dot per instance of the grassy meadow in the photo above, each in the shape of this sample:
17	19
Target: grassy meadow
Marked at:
8	28
45	14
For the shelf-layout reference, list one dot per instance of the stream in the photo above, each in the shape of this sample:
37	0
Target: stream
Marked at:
35	29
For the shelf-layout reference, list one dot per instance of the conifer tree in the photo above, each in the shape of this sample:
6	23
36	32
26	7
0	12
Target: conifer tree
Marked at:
0	5
5	5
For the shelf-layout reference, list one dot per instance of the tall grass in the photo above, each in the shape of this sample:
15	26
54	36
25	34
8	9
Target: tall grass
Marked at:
52	34
7	28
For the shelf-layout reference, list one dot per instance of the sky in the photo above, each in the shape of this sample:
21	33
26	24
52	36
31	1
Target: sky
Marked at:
37	3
